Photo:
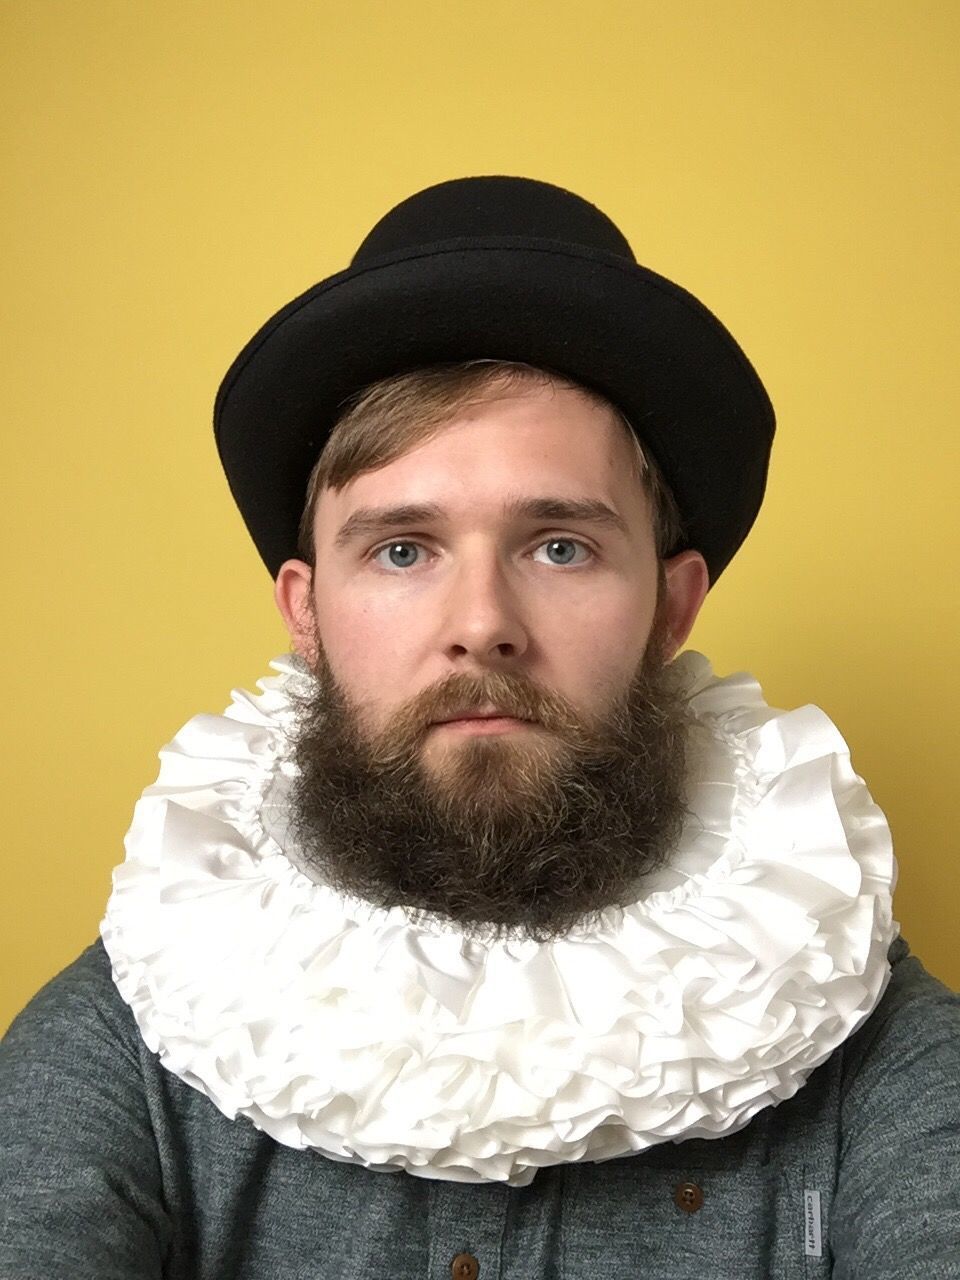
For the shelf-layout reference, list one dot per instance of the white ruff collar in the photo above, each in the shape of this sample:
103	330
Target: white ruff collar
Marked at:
349	1029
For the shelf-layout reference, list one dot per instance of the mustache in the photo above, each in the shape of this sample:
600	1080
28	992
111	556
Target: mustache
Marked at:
465	695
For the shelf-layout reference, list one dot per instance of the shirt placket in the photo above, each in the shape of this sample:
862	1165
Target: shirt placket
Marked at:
467	1222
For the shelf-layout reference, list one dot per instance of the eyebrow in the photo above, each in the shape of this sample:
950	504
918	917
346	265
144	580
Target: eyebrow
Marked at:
370	521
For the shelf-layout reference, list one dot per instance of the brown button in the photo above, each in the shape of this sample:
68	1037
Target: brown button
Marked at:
464	1267
688	1196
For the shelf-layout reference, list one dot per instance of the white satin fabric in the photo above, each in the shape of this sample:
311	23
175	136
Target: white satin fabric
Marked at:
351	1030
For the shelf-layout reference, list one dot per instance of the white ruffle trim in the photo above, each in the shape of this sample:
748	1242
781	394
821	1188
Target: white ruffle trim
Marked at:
337	1026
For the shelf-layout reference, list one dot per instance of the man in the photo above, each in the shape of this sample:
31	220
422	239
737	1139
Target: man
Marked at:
495	936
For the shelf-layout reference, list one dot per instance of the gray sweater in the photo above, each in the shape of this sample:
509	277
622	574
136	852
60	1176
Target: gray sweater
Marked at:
113	1168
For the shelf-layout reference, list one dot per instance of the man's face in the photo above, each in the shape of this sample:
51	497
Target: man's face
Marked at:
555	809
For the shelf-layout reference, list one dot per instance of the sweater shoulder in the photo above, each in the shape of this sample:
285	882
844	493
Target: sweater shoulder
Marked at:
79	1002
918	1016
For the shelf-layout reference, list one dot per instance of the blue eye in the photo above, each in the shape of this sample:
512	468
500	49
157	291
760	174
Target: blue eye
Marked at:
392	546
401	544
559	542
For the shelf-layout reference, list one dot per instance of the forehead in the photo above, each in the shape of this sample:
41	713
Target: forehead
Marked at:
541	440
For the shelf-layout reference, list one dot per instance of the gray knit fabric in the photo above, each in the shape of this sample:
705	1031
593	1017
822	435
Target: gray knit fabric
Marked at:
112	1168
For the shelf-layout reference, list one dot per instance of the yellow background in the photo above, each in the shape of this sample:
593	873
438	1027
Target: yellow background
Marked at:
173	172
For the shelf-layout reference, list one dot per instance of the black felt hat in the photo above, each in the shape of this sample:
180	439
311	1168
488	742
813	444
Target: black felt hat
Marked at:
512	269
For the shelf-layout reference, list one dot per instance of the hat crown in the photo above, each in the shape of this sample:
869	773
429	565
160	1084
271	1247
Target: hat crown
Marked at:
492	208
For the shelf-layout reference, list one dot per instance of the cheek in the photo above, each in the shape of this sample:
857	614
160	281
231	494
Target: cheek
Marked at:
607	645
616	617
367	648
590	655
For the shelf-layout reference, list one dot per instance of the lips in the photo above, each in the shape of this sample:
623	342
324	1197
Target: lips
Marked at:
484	714
476	715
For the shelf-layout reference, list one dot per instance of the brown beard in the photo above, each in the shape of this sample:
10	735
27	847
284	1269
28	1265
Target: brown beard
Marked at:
525	833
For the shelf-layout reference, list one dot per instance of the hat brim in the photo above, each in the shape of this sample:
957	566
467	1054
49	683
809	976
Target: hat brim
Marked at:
650	347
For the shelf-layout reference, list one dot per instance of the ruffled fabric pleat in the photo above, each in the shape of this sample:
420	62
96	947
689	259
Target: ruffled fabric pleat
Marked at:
352	1030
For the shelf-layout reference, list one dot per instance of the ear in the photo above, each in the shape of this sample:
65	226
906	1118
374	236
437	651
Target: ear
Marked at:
293	592
687	583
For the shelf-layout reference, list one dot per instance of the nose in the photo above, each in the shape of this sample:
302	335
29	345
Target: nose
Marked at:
482	615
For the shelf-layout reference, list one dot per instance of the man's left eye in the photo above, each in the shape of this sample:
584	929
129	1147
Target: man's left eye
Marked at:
571	542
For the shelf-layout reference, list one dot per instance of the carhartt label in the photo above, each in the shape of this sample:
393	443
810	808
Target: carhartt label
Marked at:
811	1224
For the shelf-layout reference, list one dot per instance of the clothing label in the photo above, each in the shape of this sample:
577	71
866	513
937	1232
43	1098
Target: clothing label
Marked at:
811	1224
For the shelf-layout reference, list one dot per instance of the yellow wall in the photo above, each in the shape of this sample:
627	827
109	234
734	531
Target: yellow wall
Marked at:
175	171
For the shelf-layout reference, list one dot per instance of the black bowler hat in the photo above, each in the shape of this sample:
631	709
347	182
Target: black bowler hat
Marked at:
511	269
